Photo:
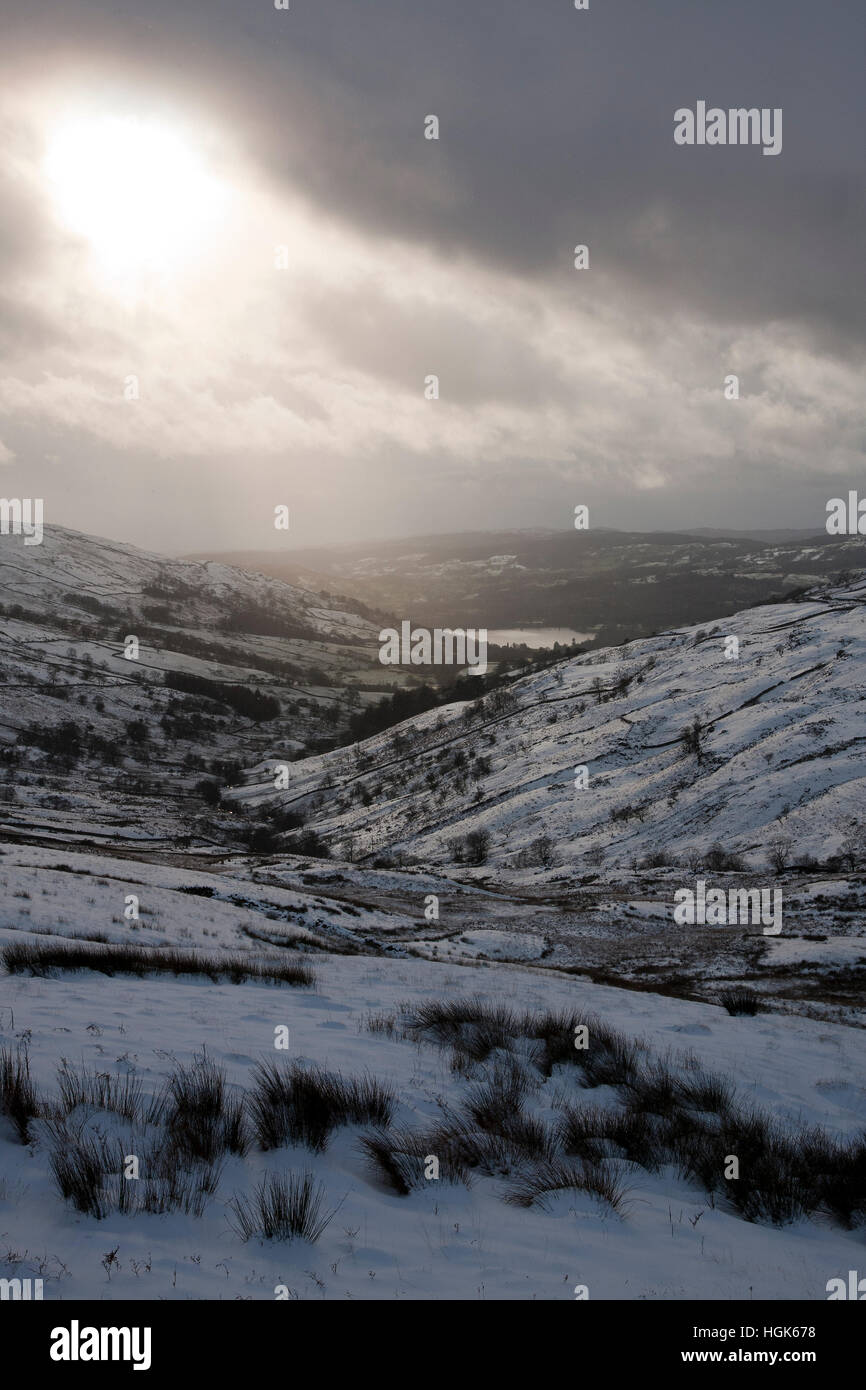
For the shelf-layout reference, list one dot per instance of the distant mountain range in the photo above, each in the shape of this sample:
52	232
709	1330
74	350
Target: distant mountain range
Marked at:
616	585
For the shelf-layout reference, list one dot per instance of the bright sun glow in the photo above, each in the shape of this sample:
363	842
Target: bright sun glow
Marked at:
134	189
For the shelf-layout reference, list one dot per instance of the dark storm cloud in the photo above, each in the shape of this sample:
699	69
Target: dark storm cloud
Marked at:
410	257
556	128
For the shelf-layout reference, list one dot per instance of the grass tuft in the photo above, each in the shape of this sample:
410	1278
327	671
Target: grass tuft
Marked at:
38	958
303	1105
18	1099
282	1208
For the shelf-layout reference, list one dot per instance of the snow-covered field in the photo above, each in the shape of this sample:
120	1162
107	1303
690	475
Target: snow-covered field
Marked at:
443	1241
567	909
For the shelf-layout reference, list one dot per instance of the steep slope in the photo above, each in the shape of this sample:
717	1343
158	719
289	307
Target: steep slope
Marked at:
781	753
68	566
125	675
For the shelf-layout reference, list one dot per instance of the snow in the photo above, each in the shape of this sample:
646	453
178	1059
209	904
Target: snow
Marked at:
442	1242
785	749
396	918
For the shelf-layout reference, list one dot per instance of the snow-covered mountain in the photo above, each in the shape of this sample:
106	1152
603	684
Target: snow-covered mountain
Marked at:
125	677
475	1034
69	565
780	753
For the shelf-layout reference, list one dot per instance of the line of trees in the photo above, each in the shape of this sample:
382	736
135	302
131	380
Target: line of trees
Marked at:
252	704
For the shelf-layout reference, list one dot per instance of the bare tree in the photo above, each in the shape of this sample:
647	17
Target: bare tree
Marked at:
779	854
477	846
853	846
694	859
693	738
544	851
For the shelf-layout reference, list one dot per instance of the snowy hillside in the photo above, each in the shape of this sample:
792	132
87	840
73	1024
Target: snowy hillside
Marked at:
69	565
422	1024
782	752
127	679
519	1210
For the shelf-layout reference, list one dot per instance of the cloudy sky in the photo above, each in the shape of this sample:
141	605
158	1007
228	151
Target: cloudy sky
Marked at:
232	210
